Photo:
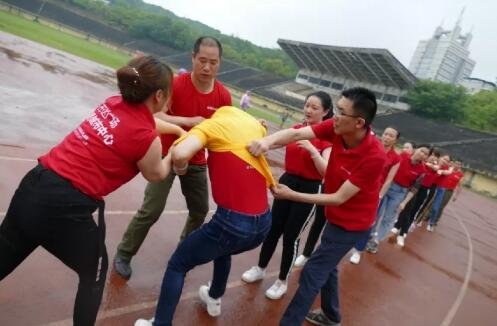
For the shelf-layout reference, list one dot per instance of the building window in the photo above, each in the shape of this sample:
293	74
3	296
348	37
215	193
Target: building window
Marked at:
325	83
337	86
389	98
302	76
314	80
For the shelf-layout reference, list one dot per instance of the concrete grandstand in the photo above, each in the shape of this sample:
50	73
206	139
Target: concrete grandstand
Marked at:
335	68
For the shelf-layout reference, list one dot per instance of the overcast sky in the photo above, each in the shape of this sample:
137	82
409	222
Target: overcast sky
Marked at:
394	25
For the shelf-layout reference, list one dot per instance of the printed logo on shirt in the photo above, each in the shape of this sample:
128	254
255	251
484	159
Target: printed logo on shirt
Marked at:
346	171
211	108
96	120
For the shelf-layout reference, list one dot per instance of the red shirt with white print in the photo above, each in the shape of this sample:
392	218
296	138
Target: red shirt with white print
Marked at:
101	154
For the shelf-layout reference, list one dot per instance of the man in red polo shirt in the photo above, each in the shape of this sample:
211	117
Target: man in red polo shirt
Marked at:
195	97
352	186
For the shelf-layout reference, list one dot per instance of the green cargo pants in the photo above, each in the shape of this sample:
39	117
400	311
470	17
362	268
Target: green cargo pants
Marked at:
194	188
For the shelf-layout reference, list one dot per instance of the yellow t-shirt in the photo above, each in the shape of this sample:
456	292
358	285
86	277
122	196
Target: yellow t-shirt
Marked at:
231	130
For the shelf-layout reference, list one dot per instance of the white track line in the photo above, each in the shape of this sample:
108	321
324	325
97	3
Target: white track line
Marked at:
462	291
147	305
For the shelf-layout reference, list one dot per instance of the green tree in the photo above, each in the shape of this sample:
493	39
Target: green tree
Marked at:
437	100
480	111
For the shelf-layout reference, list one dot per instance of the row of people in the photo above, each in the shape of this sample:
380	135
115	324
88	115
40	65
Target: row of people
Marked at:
54	203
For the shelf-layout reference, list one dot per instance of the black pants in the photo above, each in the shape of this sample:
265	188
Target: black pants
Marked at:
48	211
289	220
415	205
315	231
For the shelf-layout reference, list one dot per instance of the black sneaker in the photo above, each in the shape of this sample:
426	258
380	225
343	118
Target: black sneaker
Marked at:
317	317
372	247
122	267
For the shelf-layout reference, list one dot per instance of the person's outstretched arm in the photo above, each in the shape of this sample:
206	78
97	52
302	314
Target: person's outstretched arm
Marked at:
151	166
346	191
184	151
279	139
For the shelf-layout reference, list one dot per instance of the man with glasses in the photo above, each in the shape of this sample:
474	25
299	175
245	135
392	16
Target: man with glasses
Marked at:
352	185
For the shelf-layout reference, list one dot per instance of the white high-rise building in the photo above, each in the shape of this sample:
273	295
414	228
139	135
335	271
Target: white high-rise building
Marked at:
444	57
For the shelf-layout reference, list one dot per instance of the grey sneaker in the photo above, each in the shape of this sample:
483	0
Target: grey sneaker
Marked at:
317	317
372	247
122	267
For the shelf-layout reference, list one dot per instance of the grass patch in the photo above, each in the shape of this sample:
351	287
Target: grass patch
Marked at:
61	40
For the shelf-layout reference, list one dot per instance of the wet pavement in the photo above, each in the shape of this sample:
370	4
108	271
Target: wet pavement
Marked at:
448	277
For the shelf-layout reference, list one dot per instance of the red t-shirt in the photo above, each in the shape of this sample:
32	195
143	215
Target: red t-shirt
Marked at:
186	101
298	160
101	154
408	172
429	178
452	180
440	180
362	166
392	158
236	185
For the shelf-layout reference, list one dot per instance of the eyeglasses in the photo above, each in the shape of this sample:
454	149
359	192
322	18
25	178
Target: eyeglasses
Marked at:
339	113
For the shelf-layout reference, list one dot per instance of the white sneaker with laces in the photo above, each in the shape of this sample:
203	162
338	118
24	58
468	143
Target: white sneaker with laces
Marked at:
400	240
213	305
429	227
144	322
300	261
254	274
276	290
356	257
394	230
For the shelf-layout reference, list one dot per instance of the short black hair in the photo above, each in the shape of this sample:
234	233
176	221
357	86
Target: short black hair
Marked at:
364	102
207	41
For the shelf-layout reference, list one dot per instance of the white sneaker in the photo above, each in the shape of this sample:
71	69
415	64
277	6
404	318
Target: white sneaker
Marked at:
276	290
254	274
144	322
213	305
400	240
429	228
394	230
419	224
300	261
356	257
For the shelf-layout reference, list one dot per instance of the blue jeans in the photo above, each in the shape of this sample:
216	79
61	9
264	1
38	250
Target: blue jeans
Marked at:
387	212
320	273
437	204
227	233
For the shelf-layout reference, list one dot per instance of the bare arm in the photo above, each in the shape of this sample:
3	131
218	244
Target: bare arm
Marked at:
344	193
164	127
151	166
180	121
279	139
183	152
388	181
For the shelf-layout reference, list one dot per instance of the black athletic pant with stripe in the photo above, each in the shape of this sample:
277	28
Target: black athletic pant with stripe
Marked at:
48	211
413	207
289	220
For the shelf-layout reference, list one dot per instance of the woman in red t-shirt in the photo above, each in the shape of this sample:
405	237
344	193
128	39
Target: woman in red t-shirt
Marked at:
305	165
389	139
54	202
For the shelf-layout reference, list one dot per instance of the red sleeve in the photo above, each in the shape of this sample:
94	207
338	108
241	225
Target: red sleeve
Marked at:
225	97
366	174
324	130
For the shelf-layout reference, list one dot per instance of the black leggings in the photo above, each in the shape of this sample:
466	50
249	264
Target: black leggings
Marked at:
289	220
413	207
315	231
48	211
